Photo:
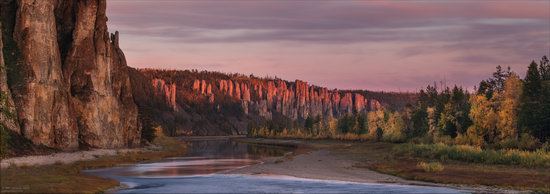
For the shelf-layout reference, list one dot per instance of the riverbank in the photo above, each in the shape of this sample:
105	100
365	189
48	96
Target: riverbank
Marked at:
37	174
67	157
372	162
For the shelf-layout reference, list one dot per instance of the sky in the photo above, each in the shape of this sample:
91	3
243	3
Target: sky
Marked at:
375	45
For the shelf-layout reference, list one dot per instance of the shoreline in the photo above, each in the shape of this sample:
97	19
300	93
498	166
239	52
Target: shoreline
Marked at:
314	160
66	157
311	159
68	177
89	155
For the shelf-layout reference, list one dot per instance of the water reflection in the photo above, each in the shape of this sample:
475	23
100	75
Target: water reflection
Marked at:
202	157
232	149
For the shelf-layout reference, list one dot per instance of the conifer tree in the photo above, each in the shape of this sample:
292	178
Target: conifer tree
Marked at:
530	116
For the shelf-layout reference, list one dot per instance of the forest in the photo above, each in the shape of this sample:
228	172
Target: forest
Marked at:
505	112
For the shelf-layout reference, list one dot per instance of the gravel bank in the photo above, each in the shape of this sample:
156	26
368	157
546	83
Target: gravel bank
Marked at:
64	158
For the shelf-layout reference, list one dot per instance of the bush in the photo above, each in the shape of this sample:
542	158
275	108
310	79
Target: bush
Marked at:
467	139
528	142
426	139
4	139
393	137
445	139
507	144
473	154
545	147
379	134
431	166
525	142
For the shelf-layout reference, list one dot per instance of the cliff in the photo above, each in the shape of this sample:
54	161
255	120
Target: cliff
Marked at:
210	103
7	106
67	76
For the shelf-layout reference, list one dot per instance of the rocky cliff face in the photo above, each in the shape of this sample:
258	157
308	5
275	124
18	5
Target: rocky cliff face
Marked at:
210	103
7	107
292	99
68	77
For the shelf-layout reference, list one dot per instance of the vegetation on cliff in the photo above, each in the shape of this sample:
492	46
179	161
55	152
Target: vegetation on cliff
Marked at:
195	102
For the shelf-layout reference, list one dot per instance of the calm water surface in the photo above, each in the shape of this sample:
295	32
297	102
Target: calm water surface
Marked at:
203	170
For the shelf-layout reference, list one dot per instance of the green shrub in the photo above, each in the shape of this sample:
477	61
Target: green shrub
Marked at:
528	142
525	142
545	147
467	139
431	166
4	139
507	144
473	154
426	139
393	137
443	139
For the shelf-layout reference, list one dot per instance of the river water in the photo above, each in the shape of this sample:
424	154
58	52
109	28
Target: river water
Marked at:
206	168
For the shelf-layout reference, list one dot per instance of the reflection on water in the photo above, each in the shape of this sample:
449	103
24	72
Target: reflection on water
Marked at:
231	149
198	171
202	157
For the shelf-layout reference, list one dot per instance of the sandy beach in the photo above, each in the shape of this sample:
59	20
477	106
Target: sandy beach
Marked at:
320	164
324	164
63	157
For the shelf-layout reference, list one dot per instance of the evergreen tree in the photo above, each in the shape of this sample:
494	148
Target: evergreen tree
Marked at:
361	125
499	77
448	123
309	124
494	84
485	88
530	116
346	124
545	99
419	121
545	68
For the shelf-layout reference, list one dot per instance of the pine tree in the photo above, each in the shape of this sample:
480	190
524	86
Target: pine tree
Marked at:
545	68
530	116
545	107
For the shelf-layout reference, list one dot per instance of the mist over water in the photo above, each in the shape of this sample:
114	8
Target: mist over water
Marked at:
203	170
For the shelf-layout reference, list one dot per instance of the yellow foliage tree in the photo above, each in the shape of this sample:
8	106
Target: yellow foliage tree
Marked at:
375	119
432	122
394	130
508	112
484	118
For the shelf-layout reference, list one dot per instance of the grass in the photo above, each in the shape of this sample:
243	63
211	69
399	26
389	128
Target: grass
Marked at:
430	166
67	178
466	153
381	157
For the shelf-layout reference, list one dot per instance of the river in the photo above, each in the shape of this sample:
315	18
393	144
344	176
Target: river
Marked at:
206	168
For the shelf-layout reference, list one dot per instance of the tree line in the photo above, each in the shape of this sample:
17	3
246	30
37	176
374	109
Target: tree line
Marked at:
504	111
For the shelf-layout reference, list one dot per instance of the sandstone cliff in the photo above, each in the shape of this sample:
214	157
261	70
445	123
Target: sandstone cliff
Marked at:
296	100
211	103
7	107
67	76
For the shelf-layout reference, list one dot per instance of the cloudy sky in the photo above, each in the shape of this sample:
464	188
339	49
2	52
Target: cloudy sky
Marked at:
376	45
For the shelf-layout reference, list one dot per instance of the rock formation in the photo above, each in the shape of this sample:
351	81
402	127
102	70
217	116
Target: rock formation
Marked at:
7	107
165	91
292	99
70	81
